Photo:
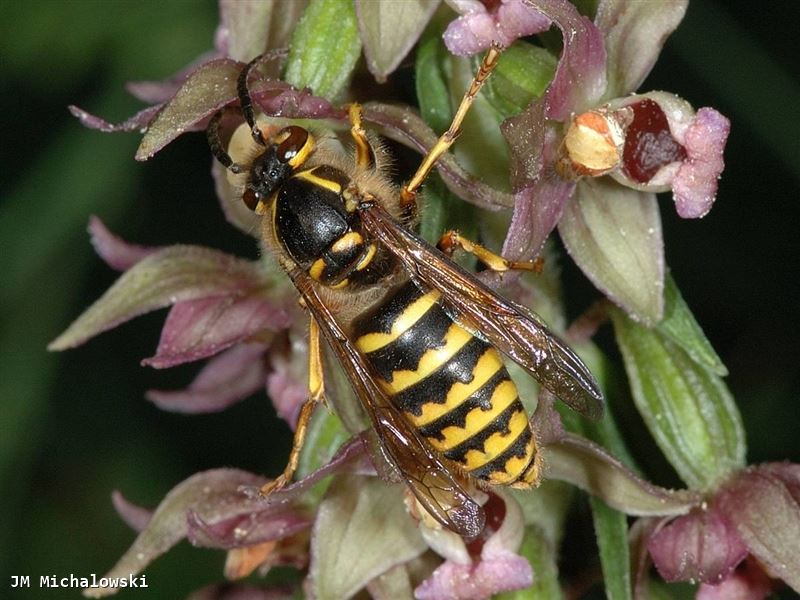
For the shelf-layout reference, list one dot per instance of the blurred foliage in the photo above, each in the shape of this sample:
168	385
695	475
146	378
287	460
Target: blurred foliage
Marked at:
75	426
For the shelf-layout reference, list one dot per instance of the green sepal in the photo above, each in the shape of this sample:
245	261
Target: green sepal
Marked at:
687	408
680	326
521	76
324	48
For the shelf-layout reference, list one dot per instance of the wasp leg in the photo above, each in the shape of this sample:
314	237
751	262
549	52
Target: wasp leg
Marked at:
452	240
408	193
316	394
365	156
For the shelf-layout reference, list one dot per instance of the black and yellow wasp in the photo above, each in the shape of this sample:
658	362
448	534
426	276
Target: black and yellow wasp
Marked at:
419	337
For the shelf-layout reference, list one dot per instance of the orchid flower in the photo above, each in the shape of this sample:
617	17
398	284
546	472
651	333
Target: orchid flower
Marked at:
586	157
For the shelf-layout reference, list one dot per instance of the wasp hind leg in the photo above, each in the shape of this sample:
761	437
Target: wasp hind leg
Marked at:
442	145
452	240
316	394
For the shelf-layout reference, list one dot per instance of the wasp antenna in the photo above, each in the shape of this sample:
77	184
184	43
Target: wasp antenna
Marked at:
214	142
247	102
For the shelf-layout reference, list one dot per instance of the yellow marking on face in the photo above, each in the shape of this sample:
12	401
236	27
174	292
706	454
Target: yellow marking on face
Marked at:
367	258
496	443
410	315
347	241
455	339
309	176
477	419
316	270
304	152
341	284
488	364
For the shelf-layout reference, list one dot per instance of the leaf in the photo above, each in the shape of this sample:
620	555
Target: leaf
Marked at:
586	465
361	523
174	274
430	82
389	28
680	327
689	410
324	48
613	233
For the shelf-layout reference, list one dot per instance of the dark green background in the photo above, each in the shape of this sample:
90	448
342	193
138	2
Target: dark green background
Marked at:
75	426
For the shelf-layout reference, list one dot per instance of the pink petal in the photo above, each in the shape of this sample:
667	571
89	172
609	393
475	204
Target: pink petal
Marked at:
137	122
470	34
116	252
763	503
279	99
275	522
453	581
135	517
701	546
516	19
350	458
747	583
287	386
695	185
228	378
580	78
200	328
537	210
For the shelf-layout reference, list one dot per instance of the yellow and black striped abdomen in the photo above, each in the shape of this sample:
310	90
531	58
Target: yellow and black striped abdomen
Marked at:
451	385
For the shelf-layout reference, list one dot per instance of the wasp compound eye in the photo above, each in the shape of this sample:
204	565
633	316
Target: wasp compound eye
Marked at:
294	144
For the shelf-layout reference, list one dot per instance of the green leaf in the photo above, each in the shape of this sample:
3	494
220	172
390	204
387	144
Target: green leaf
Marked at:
613	233
688	409
611	529
362	530
542	557
430	81
324	48
521	76
680	327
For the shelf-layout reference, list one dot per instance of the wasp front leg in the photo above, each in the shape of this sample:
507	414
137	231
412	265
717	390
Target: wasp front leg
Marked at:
365	155
316	394
442	145
452	240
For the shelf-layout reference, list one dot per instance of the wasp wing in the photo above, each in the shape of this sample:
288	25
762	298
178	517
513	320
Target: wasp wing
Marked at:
510	327
428	478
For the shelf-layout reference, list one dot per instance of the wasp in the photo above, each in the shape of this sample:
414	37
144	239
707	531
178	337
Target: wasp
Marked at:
419	337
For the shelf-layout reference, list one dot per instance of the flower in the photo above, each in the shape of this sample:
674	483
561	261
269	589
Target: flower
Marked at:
588	125
223	307
484	566
755	514
487	21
